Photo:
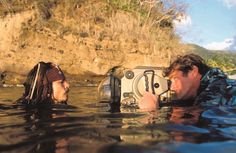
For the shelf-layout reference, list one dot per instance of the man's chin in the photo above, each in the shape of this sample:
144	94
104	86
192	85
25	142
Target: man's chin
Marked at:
183	97
179	97
189	98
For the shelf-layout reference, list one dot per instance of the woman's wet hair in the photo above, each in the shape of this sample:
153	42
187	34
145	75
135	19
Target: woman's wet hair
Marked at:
37	87
185	64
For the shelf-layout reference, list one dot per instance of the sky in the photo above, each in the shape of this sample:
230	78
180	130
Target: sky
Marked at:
209	23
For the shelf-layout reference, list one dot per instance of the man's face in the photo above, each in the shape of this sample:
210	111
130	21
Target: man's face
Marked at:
60	91
184	85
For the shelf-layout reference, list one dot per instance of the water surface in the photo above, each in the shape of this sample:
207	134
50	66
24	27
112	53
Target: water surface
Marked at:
89	126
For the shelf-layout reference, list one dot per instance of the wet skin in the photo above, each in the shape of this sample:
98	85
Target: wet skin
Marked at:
60	91
185	85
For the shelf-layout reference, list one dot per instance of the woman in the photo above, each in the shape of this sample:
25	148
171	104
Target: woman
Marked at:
45	83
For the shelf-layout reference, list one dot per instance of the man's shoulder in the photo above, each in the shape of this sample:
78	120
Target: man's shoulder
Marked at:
216	77
217	89
213	74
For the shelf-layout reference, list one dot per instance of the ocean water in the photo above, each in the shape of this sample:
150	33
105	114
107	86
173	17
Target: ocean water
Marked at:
88	126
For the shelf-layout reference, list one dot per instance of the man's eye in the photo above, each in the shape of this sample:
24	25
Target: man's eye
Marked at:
174	78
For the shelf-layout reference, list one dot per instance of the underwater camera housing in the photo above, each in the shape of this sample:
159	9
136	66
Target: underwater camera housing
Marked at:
128	89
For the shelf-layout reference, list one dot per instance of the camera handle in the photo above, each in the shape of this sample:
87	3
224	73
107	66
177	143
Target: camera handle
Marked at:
146	80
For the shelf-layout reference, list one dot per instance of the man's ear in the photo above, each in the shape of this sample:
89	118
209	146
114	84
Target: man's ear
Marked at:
195	71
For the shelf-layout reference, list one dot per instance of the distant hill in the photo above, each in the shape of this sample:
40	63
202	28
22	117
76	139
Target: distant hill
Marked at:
220	58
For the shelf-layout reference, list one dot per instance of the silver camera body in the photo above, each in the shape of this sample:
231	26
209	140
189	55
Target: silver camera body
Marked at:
141	79
130	87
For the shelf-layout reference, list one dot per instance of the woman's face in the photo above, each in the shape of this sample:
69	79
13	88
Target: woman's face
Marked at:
60	91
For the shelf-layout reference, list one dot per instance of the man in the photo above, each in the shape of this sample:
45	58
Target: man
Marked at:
194	82
45	83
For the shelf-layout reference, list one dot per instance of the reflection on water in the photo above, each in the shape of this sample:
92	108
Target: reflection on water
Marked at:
88	126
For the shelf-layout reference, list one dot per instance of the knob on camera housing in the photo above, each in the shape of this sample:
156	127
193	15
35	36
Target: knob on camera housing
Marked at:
129	74
156	85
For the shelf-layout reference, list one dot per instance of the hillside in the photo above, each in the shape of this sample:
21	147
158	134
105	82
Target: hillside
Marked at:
85	37
222	59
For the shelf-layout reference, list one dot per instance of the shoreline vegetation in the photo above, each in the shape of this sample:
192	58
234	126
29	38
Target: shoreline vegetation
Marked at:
89	37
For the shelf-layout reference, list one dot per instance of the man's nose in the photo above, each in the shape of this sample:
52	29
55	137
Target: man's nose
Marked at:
172	86
66	84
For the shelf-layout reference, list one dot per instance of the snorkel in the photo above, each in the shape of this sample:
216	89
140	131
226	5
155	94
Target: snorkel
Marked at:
37	87
38	84
36	78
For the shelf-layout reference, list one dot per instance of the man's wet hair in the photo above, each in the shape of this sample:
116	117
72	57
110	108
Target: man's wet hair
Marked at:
38	89
185	64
